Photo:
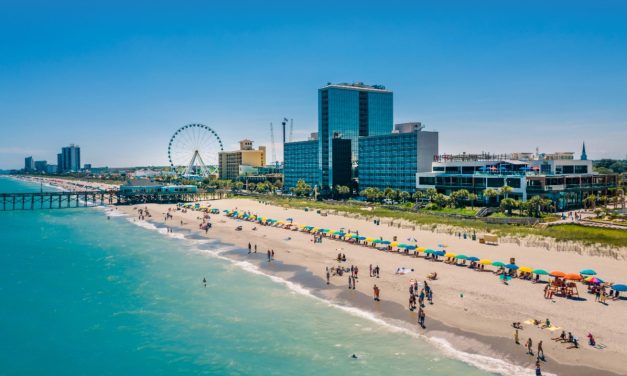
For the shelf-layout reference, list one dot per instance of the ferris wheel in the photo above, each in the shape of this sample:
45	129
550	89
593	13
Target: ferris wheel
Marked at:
193	150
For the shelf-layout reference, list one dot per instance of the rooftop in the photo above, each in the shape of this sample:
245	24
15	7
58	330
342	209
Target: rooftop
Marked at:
357	86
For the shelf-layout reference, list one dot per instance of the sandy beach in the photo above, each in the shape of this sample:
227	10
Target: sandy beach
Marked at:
472	310
68	185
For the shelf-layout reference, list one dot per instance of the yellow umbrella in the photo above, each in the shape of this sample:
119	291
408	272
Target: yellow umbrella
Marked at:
369	239
485	262
421	249
450	255
394	244
525	269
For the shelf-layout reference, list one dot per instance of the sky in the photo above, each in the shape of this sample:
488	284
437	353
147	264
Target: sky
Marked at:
118	78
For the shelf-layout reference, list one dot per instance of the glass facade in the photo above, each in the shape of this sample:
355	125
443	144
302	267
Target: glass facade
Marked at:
389	161
300	162
350	111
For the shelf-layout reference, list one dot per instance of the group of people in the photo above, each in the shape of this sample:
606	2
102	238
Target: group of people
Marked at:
374	271
425	292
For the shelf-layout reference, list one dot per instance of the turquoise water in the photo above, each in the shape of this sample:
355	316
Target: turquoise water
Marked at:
85	295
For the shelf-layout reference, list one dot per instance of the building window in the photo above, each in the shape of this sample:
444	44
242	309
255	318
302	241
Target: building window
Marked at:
581	169
426	180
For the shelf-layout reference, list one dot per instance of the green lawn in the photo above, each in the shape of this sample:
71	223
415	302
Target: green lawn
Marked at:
587	235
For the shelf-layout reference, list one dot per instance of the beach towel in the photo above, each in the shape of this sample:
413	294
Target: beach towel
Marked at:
403	270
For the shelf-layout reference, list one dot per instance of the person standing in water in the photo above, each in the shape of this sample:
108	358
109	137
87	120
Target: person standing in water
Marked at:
376	293
328	276
204	281
249	248
350	282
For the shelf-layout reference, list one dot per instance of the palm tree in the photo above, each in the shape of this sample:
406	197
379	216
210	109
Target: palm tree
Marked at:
472	197
508	204
506	190
404	196
489	193
417	196
431	192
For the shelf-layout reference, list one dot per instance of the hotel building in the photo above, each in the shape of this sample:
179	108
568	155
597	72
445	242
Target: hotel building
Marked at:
230	161
392	160
349	111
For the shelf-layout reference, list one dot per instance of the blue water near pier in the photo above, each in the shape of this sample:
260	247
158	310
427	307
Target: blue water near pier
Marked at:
81	294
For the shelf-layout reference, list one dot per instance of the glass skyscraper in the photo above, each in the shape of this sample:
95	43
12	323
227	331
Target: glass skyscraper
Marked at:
350	111
392	160
300	161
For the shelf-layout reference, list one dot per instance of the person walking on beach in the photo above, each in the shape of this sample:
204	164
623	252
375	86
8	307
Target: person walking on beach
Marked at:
255	248
540	350
421	318
354	282
328	276
350	282
538	369
376	293
249	248
529	346
268	255
516	339
272	254
370	270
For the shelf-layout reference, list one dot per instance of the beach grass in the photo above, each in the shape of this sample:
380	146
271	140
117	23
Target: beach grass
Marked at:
566	232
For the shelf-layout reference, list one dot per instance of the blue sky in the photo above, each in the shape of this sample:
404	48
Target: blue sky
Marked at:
497	76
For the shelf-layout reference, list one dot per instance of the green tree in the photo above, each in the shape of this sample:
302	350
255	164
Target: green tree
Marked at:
489	194
404	196
417	196
509	204
590	201
238	186
343	191
506	190
389	193
459	197
301	188
440	200
431	193
472	197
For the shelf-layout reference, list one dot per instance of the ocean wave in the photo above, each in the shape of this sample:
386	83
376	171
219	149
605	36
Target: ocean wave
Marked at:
482	362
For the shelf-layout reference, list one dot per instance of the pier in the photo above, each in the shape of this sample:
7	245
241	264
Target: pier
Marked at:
66	200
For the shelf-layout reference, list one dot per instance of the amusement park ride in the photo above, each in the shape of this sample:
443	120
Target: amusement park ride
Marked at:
193	151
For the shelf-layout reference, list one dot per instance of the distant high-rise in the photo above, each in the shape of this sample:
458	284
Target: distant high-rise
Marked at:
584	156
70	159
350	111
29	164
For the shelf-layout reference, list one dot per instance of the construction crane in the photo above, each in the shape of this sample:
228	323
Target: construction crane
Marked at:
272	143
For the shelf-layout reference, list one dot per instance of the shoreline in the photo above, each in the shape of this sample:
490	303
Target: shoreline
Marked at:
462	339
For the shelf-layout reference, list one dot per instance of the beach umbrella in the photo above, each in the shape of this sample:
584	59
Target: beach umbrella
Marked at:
369	239
588	272
355	236
498	263
450	254
439	253
556	273
473	259
339	233
361	238
394	244
593	280
409	246
421	249
512	266
540	272
525	269
429	251
485	262
385	242
461	257
377	241
572	277
619	287
324	230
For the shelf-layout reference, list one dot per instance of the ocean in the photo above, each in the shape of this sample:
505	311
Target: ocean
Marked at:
82	294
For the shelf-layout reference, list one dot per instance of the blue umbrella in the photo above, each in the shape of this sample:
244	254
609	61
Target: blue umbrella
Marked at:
385	242
361	238
473	258
619	287
439	253
512	266
588	272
